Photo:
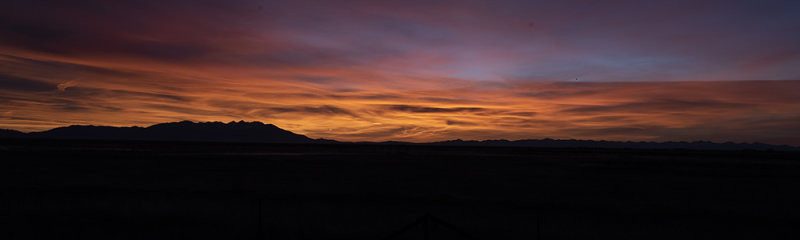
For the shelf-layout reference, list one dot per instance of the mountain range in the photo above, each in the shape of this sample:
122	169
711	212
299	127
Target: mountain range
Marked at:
174	131
258	132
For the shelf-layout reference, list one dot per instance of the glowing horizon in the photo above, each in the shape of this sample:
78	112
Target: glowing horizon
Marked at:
411	71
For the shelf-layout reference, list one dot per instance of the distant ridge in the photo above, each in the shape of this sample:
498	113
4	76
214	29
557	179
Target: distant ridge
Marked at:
7	133
258	132
572	143
174	131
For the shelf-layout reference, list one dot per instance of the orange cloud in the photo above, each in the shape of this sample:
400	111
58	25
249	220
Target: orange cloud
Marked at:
410	71
424	110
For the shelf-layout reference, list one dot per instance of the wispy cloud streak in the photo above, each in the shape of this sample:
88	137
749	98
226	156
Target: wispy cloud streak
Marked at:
410	70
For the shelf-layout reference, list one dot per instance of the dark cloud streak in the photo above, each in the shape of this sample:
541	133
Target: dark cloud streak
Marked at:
9	82
424	109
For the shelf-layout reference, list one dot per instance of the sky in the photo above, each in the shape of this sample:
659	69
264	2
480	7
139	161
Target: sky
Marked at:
410	70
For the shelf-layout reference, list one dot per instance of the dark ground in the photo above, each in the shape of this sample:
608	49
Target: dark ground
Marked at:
152	190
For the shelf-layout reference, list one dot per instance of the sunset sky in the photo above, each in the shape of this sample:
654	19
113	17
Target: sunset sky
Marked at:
410	70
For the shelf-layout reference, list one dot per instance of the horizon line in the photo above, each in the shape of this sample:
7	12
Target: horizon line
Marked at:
428	142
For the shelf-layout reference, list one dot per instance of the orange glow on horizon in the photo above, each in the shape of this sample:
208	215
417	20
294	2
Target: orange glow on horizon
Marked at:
423	110
410	71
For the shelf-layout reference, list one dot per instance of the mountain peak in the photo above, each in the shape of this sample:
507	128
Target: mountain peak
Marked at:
240	131
258	132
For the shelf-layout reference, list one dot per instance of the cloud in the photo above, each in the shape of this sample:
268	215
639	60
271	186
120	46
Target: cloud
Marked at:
63	86
729	110
470	40
185	110
62	67
521	114
9	82
462	123
416	70
658	105
564	93
322	110
424	109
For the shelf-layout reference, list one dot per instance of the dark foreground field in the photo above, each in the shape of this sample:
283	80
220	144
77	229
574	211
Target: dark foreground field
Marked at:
151	190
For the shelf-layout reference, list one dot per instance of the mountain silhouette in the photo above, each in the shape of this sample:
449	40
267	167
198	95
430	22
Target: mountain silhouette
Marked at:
7	133
572	143
257	132
175	131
